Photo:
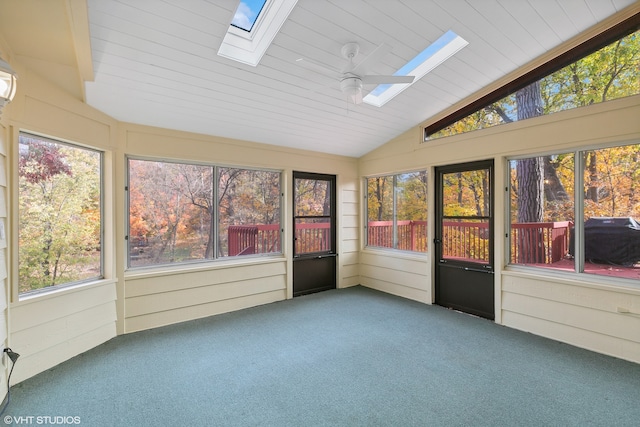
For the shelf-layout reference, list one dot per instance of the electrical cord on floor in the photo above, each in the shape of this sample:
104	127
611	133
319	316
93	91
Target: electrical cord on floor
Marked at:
13	356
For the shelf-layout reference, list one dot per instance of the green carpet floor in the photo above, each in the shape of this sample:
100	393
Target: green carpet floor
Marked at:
352	357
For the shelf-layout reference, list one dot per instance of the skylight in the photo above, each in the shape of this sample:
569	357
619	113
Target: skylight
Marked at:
435	54
254	25
247	14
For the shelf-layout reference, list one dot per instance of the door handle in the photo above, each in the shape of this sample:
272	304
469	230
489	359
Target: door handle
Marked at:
326	256
477	270
437	241
489	270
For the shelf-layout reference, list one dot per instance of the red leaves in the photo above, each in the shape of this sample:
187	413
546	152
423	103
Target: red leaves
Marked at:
41	161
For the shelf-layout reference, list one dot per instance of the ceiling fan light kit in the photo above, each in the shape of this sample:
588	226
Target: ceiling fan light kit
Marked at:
352	87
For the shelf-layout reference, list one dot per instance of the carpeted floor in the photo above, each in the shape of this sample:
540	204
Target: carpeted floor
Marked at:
351	357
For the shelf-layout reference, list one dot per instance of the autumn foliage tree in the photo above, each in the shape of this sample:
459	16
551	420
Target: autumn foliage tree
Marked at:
403	197
172	209
59	204
543	186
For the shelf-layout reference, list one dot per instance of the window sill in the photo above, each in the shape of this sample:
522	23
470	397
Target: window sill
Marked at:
608	283
396	253
62	290
164	270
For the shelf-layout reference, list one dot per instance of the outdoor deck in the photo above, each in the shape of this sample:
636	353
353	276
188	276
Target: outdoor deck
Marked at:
543	245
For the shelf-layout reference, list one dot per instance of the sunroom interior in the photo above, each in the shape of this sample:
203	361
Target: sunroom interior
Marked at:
145	86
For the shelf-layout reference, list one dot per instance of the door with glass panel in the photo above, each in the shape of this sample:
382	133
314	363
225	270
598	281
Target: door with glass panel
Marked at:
464	278
314	241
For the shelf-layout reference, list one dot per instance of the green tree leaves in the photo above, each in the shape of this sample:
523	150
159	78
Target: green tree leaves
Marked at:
59	211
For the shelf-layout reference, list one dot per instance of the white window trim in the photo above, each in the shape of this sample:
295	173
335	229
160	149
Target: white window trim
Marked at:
446	52
248	47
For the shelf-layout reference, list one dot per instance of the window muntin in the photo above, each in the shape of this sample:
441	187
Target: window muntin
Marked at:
610	202
397	211
60	214
176	211
609	73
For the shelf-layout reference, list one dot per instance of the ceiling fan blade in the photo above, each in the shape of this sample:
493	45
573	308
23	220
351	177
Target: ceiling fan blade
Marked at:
387	79
372	59
318	67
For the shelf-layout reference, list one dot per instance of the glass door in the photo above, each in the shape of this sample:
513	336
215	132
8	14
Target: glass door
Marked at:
464	238
314	242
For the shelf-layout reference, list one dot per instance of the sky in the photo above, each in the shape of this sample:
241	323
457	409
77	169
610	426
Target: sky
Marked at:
419	59
247	13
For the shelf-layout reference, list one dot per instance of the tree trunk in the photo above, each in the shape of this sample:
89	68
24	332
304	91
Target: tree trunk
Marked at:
380	196
530	179
592	189
553	188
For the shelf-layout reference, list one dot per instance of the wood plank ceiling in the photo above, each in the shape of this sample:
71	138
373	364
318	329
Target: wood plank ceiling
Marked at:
156	63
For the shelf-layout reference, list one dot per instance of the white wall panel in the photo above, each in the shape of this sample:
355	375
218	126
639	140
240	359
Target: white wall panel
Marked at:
4	293
405	276
33	364
606	344
50	329
162	302
202	310
581	310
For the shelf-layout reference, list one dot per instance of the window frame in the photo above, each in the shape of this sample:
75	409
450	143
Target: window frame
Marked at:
215	258
578	212
47	290
248	47
394	213
568	57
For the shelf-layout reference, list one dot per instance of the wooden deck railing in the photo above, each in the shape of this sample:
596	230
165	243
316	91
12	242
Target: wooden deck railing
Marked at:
312	238
544	242
253	239
412	235
265	238
465	240
540	242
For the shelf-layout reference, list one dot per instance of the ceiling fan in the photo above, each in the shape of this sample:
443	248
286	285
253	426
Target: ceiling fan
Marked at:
353	77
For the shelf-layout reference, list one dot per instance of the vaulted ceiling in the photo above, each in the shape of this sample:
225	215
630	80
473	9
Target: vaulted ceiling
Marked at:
156	62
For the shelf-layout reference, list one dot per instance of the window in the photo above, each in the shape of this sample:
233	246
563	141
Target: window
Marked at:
397	211
170	212
609	73
60	214
542	211
253	28
248	212
247	14
176	211
435	54
544	228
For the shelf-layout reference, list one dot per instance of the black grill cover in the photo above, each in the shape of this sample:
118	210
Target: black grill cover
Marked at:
611	240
